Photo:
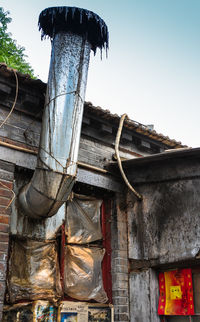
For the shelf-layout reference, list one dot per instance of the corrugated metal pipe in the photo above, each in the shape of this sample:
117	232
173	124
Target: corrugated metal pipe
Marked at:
74	32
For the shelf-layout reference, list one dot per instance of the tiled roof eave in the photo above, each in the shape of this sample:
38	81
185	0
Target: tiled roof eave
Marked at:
96	110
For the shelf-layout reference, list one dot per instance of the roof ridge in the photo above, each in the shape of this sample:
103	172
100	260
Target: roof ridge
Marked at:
138	127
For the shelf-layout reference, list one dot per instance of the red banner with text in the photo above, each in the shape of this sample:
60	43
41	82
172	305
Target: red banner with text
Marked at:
176	293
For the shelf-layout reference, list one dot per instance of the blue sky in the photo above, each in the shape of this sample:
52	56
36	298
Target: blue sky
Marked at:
153	68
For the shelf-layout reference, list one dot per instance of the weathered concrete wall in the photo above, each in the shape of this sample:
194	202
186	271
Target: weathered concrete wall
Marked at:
163	228
171	222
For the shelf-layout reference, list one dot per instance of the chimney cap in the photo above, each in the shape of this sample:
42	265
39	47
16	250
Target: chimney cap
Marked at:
76	20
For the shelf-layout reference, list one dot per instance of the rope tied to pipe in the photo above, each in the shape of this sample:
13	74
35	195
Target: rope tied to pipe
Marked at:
47	104
69	163
63	94
139	196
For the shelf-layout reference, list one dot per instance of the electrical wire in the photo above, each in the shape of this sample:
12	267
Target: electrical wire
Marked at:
4	121
14	103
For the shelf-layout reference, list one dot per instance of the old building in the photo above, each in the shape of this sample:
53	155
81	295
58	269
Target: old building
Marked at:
104	230
140	238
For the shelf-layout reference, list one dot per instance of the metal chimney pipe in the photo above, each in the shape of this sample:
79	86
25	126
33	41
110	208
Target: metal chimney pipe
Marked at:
74	33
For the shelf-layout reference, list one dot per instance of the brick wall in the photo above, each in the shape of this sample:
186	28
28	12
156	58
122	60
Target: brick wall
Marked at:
119	244
6	185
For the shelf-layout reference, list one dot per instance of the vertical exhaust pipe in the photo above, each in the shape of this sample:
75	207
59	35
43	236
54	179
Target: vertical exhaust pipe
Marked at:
74	32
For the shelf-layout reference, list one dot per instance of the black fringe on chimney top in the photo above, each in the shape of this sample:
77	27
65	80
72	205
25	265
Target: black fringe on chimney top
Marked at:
76	20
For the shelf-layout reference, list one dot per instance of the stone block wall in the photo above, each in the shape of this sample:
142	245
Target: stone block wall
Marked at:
6	195
119	261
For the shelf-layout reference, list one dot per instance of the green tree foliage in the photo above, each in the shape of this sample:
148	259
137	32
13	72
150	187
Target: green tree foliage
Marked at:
10	52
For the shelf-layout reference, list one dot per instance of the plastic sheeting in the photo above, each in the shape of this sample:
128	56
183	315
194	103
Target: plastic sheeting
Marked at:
33	271
83	277
83	224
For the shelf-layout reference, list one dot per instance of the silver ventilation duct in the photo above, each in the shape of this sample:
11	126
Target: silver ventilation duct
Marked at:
74	32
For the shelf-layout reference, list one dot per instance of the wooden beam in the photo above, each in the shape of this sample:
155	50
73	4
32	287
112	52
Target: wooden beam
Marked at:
86	174
100	180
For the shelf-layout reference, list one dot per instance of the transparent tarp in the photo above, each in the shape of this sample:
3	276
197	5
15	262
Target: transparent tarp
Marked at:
33	271
83	276
83	223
